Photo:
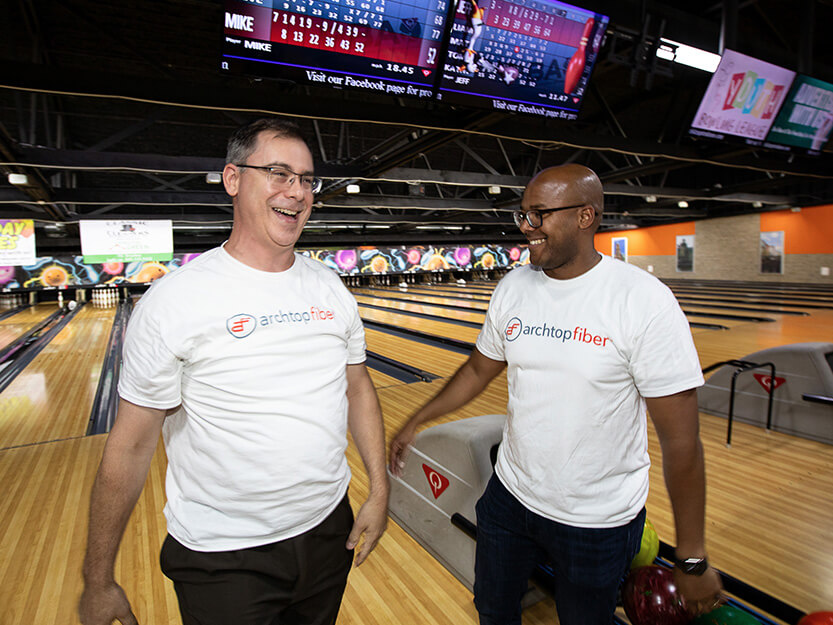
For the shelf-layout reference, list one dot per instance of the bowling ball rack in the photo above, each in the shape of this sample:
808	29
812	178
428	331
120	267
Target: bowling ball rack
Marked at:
755	602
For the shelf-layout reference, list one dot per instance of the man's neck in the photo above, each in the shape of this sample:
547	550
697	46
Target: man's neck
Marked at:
577	266
271	260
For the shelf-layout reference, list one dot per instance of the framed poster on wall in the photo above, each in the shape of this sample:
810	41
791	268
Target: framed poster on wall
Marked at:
685	252
772	252
619	248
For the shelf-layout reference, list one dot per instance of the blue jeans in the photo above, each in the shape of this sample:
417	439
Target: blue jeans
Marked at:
588	563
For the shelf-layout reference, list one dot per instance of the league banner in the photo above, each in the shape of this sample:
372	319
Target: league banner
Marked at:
17	242
127	241
742	99
806	119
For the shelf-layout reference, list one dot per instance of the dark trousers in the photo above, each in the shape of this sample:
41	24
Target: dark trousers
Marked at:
588	563
299	581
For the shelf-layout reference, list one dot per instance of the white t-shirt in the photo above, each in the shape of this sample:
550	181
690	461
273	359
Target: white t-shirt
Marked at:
257	361
582	354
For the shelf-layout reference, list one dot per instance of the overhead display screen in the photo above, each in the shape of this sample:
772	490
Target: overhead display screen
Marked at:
806	119
384	46
526	56
742	99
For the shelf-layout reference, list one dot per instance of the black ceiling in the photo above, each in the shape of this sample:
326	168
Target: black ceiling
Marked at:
118	110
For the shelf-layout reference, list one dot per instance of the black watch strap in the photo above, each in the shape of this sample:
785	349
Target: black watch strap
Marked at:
692	566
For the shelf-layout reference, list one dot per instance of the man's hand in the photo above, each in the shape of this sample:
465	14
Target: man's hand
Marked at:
100	605
371	521
702	593
399	448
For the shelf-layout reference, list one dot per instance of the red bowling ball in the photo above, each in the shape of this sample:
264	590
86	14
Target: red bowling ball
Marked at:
650	597
817	618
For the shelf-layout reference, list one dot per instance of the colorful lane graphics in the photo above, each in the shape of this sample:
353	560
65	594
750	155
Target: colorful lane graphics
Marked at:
61	272
420	259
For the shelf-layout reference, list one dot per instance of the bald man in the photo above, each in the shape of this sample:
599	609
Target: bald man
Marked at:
589	342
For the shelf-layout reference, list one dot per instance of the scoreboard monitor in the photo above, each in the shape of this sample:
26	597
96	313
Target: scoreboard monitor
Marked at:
805	121
382	46
524	56
742	100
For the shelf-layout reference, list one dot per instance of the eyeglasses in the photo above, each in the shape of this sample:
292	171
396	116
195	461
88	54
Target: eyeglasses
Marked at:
533	217
282	177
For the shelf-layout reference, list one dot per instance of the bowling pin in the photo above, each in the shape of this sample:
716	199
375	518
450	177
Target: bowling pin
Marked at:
576	65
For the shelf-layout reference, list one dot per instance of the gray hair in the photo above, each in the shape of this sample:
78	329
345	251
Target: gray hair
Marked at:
242	142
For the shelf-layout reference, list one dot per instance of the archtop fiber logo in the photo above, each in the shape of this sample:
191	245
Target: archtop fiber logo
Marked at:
241	325
514	328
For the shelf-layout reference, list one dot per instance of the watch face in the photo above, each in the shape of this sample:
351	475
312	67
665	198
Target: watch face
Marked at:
693	566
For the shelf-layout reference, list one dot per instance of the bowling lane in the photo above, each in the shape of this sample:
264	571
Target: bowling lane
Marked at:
421	297
44	517
381	380
420	324
52	398
418	307
755	298
744	339
20	323
438	361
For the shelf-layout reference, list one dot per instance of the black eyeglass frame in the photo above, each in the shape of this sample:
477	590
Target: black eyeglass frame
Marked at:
520	216
315	185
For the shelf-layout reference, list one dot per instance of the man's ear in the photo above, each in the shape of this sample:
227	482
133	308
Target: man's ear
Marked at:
231	179
586	217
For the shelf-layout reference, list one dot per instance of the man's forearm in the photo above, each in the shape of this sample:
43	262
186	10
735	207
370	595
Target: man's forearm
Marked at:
685	479
367	428
118	484
115	493
677	424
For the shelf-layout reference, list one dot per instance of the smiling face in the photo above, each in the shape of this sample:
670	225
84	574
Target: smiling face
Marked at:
563	244
268	218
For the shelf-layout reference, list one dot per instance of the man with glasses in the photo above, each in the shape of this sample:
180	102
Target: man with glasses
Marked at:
250	361
589	342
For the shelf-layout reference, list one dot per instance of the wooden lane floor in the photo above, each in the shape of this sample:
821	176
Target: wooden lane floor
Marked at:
421	324
440	362
422	296
44	517
768	510
382	380
52	398
745	339
438	290
416	306
764	299
15	326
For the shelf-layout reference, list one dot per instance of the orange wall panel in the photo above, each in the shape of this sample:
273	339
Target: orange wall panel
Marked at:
652	241
809	231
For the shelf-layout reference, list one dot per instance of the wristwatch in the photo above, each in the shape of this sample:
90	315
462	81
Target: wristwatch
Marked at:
692	566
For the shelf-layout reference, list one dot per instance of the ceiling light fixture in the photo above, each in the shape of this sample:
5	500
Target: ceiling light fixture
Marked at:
18	179
651	199
214	177
687	55
353	188
682	204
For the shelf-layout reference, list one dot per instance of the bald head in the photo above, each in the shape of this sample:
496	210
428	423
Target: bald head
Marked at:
570	184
